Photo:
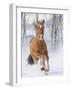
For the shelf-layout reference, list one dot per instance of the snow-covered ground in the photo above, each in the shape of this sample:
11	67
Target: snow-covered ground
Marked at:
55	59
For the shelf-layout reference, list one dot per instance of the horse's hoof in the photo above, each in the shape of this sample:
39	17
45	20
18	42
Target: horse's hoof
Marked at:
46	70
42	69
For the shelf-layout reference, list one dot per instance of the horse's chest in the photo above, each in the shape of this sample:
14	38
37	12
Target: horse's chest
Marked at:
41	45
38	47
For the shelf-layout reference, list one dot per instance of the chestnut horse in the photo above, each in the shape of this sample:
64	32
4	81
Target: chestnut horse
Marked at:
38	47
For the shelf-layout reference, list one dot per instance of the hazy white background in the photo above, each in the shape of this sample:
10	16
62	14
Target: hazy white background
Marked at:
4	43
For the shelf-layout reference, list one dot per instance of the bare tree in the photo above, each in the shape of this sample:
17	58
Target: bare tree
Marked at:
55	26
37	15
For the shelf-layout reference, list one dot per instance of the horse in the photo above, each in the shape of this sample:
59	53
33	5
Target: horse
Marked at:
38	47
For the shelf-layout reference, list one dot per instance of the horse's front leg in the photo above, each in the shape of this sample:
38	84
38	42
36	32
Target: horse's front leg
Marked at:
46	63
42	63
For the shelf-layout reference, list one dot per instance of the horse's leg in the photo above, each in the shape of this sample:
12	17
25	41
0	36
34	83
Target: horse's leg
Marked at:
35	60
46	63
42	64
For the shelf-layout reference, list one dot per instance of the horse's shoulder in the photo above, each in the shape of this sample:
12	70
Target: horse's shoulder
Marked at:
33	40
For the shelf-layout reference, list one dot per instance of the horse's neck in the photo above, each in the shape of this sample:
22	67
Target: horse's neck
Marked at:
37	39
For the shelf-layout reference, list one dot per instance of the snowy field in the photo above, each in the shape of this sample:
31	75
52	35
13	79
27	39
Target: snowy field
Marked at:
55	59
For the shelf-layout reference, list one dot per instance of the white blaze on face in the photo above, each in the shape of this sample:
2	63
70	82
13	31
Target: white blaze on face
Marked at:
40	26
40	37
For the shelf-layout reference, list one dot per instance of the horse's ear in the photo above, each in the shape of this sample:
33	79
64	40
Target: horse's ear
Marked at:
43	21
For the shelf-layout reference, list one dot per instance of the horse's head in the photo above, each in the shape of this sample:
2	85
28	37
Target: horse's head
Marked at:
39	27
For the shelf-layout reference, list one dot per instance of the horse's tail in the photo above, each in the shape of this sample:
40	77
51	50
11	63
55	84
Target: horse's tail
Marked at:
30	60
